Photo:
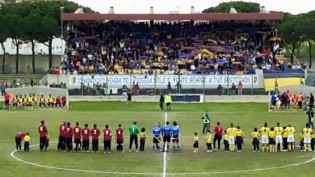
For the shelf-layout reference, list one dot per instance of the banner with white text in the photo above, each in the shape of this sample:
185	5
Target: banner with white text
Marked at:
161	81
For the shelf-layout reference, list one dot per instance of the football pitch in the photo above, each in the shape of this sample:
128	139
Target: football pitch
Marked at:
219	163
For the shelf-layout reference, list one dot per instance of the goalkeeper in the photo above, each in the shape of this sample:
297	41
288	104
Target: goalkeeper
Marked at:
206	122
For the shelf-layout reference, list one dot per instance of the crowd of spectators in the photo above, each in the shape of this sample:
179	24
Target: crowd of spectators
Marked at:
16	83
167	48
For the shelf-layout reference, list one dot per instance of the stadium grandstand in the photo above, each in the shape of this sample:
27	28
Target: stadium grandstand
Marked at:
210	53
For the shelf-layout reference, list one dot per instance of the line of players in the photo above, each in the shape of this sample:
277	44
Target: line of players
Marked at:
67	134
28	102
274	139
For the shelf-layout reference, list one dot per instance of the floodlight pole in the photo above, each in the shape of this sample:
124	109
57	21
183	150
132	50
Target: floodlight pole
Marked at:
61	32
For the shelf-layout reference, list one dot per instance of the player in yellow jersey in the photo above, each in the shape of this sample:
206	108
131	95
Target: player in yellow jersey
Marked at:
226	141
232	133
239	138
279	132
30	102
196	142
264	137
307	131
255	136
285	139
272	142
209	141
142	139
291	140
35	100
15	101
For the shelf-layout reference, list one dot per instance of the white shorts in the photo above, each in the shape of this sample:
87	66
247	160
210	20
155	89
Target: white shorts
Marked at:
278	139
264	139
290	139
231	140
307	140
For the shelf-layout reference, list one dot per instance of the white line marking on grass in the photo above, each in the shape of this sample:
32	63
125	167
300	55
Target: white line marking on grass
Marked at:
165	150
158	174
78	170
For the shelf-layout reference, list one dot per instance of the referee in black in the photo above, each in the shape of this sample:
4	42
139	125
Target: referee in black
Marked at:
310	115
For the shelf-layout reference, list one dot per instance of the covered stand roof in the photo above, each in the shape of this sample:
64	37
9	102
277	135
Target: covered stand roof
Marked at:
172	17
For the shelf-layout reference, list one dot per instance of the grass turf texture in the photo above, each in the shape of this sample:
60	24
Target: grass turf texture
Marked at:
247	115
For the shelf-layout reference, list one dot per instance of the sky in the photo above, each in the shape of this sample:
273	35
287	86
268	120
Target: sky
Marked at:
183	6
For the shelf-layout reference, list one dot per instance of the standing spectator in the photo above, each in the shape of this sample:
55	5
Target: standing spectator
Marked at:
105	86
169	87
178	86
240	88
128	98
299	100
310	115
107	139
206	122
133	131
18	140
95	134
162	102
217	135
220	89
124	90
233	89
137	88
311	100
42	130
3	86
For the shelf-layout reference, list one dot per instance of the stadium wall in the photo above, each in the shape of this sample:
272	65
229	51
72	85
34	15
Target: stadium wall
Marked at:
25	63
208	99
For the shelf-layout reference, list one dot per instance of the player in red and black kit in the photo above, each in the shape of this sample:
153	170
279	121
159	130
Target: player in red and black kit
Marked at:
85	132
120	138
18	140
63	101
218	130
42	130
62	133
68	136
58	102
77	137
107	139
95	132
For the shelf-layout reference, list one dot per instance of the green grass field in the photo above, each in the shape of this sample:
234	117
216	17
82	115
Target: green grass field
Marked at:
219	163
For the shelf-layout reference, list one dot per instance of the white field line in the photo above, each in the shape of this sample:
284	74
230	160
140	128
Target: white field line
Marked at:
78	170
158	174
165	150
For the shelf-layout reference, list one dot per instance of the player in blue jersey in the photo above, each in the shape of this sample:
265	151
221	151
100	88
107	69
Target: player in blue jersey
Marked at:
157	131
175	137
166	131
